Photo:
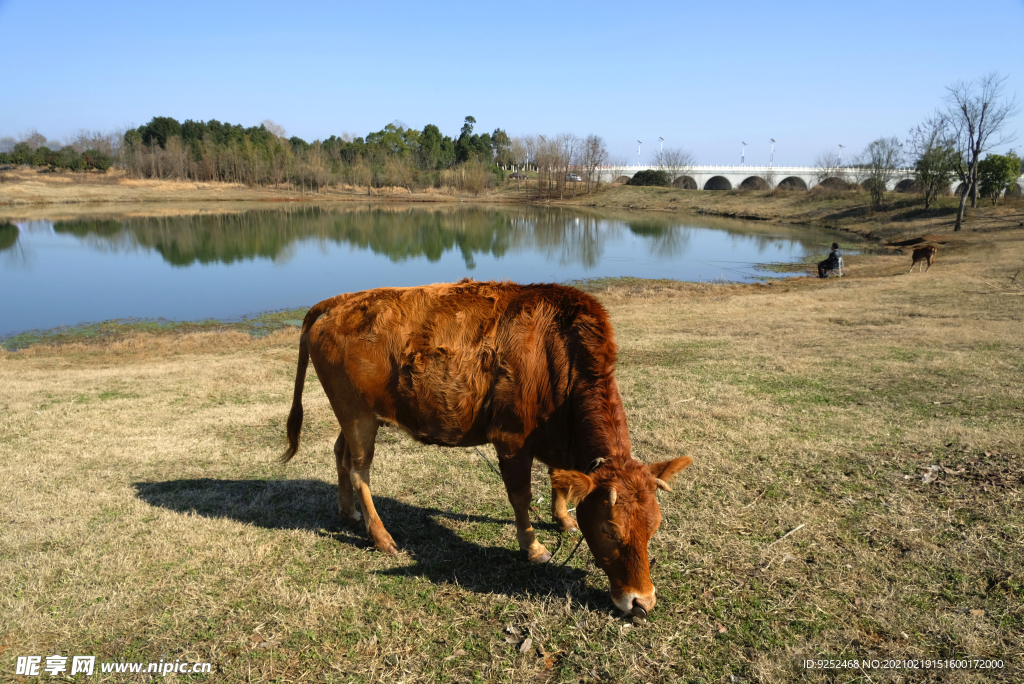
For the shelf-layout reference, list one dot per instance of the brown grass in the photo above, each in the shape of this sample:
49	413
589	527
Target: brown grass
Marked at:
146	516
24	187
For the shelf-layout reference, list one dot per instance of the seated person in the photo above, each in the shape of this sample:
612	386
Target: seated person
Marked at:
829	264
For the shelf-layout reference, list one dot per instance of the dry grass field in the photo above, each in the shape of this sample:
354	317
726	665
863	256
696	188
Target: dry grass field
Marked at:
26	187
855	494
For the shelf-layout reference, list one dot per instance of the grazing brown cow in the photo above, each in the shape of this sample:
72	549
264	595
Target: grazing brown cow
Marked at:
926	255
527	368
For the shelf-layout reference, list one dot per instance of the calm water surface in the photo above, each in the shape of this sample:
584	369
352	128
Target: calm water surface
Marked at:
227	266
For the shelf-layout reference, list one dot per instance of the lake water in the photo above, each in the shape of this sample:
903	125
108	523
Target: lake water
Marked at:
229	265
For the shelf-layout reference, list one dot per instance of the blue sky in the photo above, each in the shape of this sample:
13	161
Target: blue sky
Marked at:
706	76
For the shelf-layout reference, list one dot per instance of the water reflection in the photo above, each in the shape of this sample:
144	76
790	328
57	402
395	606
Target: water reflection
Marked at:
399	233
8	236
227	265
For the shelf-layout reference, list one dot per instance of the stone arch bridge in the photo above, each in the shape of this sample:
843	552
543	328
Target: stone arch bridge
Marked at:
763	177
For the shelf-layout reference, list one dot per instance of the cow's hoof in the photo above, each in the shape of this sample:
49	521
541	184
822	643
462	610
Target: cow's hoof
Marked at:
539	555
387	547
567	525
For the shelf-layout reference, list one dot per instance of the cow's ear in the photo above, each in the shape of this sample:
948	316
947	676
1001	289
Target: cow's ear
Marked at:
665	470
575	484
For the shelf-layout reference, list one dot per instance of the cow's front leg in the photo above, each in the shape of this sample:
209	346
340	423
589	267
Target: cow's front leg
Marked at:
515	471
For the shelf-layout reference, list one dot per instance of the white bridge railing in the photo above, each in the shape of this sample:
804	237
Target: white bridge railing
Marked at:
747	168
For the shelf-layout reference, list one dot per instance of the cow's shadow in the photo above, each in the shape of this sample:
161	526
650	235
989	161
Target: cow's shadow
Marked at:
435	551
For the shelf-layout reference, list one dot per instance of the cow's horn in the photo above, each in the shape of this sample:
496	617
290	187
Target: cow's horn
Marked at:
662	484
612	496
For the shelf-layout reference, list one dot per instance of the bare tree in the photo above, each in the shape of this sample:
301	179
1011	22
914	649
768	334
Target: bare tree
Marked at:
177	155
828	164
520	153
878	163
35	140
361	174
978	114
533	145
675	161
933	152
569	147
595	154
547	158
276	129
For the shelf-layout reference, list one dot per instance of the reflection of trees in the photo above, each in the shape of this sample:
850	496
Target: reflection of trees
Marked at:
8	236
572	237
668	239
403	233
398	233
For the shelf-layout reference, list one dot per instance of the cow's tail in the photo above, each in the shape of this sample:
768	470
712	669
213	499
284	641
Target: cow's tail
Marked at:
295	415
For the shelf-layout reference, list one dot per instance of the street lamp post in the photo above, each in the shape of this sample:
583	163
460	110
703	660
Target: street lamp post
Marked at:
662	148
743	154
638	144
771	159
841	154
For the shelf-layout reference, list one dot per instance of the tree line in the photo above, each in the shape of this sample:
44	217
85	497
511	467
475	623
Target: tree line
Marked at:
264	155
396	155
86	151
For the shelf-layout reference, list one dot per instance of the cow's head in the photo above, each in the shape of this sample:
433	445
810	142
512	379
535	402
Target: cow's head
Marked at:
618	514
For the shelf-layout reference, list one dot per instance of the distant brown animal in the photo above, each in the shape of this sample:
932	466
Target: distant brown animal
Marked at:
924	255
527	368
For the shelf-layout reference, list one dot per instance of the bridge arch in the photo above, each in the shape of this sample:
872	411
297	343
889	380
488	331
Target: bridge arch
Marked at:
684	183
1016	190
718	183
906	185
753	183
621	179
960	189
792	183
836	183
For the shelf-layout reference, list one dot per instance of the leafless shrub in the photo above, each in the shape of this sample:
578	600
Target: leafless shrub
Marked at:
675	161
828	164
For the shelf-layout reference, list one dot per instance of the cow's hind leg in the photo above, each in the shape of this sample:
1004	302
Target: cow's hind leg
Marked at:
360	435
515	471
346	501
559	509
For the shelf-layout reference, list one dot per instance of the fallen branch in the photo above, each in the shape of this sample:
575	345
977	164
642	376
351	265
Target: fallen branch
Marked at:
787	534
